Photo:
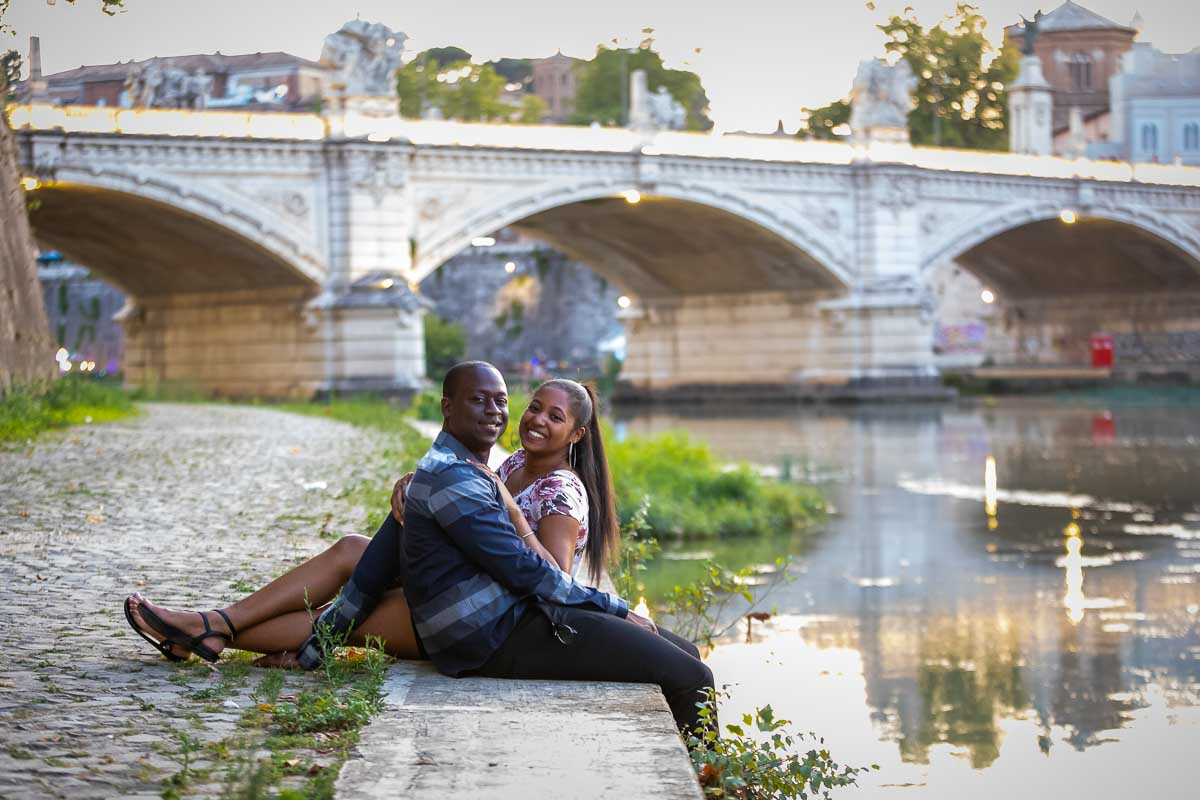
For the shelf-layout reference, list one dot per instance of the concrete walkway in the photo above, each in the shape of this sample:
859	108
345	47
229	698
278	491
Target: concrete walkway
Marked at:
484	738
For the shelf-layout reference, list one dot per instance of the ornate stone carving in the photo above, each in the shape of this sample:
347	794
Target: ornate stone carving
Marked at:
378	173
895	192
365	57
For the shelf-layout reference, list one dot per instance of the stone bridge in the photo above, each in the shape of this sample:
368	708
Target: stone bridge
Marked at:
272	254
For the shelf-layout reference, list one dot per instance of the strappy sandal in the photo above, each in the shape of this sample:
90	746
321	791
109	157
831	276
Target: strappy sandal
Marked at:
174	636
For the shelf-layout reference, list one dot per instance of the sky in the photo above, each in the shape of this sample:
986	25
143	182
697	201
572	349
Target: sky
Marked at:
760	60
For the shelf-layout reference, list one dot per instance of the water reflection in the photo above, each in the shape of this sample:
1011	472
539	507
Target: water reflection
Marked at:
1010	587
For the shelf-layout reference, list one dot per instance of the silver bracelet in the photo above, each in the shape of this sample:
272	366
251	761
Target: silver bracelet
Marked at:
526	536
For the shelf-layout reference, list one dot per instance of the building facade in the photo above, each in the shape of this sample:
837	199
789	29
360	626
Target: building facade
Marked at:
554	81
1080	52
259	81
1155	108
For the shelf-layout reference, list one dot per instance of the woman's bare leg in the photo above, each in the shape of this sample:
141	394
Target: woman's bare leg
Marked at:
309	585
390	622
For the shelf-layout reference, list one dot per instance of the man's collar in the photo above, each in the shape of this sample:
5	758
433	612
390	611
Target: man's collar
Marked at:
447	441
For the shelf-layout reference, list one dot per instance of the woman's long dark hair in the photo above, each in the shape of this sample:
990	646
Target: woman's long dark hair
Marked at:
591	465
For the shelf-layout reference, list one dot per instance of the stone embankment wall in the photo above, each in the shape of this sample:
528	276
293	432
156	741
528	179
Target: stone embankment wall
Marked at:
26	352
1152	332
548	307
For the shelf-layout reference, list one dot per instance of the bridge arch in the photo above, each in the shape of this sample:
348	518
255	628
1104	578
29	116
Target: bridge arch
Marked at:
1107	248
790	254
155	235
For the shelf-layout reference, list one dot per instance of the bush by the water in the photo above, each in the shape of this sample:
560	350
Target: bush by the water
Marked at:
688	492
70	400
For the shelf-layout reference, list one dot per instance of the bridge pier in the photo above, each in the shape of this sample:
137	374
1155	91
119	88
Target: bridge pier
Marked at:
775	345
276	343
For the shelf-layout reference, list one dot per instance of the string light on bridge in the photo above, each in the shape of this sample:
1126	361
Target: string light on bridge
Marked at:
1068	216
987	296
632	196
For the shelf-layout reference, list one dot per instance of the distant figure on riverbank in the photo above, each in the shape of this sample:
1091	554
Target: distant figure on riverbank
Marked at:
486	563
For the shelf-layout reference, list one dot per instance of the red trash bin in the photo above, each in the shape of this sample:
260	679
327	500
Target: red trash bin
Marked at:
1102	350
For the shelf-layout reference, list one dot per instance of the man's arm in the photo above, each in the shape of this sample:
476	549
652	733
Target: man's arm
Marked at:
466	506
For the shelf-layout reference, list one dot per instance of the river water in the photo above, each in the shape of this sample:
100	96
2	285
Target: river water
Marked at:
1049	648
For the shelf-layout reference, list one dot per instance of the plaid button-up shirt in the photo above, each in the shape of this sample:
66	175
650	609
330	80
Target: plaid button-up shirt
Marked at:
470	578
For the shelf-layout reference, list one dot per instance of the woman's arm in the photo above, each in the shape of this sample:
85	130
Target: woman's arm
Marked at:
519	522
558	533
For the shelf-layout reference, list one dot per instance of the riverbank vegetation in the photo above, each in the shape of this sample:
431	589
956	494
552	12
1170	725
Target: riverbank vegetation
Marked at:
676	486
26	411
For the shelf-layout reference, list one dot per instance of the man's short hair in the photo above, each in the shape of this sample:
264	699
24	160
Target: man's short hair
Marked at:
455	374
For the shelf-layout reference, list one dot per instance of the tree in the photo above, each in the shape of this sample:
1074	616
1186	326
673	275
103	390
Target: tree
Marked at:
462	90
603	86
533	110
445	344
472	92
109	7
26	348
960	101
447	55
822	121
514	70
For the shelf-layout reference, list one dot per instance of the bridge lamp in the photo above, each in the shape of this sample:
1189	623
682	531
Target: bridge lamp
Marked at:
510	267
987	296
624	302
30	183
1068	216
62	355
386	283
632	196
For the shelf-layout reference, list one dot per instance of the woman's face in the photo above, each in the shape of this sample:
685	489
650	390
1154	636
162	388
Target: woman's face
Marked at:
547	425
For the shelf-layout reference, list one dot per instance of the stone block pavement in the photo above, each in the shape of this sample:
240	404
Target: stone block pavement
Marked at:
195	505
486	738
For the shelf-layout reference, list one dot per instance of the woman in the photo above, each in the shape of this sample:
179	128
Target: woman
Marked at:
558	493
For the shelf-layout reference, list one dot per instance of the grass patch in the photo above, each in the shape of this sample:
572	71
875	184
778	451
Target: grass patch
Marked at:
71	400
685	491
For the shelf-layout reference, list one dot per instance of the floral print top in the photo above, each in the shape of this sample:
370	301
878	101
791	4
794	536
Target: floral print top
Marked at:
559	492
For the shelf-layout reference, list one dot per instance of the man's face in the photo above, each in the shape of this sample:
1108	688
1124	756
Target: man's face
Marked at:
478	412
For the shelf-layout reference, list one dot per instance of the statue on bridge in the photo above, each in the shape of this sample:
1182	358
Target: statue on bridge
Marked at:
880	100
1029	32
151	85
666	112
364	57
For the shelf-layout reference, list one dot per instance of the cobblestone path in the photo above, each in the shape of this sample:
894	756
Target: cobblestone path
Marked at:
193	506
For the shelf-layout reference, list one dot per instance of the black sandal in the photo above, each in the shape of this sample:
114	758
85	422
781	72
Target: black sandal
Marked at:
174	636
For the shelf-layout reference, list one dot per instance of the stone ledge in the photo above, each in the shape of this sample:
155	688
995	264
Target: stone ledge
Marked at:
441	737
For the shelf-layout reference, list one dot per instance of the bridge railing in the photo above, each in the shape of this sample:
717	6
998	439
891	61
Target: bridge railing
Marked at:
312	127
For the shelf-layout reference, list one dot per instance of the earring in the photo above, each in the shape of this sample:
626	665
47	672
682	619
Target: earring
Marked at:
571	454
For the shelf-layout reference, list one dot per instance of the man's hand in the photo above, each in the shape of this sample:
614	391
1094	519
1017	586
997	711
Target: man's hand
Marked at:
642	622
398	492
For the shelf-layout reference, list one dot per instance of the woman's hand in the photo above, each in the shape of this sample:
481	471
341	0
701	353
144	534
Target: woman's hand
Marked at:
514	511
642	622
398	493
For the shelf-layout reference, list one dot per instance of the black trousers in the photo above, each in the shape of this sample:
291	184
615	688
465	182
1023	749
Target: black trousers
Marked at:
603	648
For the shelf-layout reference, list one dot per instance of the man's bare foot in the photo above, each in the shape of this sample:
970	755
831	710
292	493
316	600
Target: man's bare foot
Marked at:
285	660
187	621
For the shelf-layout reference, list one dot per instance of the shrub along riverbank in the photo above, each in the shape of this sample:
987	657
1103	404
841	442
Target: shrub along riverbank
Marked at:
72	400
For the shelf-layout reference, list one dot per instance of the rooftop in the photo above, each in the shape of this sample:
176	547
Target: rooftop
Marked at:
213	63
1074	17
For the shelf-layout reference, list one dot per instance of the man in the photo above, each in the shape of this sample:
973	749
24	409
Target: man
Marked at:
485	604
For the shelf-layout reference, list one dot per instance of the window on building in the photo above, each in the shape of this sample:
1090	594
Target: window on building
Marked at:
1191	137
1150	138
1080	67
